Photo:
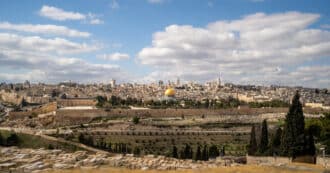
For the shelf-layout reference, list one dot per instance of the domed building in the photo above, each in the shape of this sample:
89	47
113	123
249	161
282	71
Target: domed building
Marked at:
170	92
169	95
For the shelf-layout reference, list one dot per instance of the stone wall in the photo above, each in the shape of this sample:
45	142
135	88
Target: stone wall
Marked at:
37	100
50	107
10	97
323	161
76	102
284	160
265	160
248	115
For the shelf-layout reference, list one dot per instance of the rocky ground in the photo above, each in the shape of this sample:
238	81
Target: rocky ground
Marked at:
13	159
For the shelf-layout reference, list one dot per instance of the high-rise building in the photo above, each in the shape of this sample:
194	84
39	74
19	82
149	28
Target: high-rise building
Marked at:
160	83
113	83
178	82
219	80
26	84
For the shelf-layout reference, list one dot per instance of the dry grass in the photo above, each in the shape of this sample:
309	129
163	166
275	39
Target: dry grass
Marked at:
294	168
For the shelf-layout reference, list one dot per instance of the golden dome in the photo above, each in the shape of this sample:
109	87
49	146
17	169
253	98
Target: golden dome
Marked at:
170	92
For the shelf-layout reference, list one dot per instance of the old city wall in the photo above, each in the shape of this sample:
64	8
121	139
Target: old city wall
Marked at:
50	107
71	117
76	102
168	112
37	100
10	97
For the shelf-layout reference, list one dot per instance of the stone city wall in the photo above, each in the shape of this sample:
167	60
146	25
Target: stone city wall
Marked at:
10	97
286	160
50	107
37	100
76	102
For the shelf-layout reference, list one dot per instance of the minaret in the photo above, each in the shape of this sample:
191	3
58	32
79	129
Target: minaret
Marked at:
219	80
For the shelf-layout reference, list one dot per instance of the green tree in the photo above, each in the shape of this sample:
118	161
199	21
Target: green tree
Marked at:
325	134
24	102
213	151
175	152
310	145
2	140
109	147
101	101
252	147
182	154
81	138
12	140
205	153
50	147
136	151
276	141
188	152
293	138
136	120
207	103
198	155
264	138
90	141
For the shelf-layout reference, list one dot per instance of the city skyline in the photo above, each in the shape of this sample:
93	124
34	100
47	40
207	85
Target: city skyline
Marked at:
249	42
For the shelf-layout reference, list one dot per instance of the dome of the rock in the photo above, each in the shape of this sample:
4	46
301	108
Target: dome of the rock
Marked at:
170	92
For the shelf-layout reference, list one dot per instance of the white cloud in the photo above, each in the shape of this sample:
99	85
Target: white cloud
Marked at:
36	43
35	75
61	15
36	65
44	29
96	21
114	57
251	49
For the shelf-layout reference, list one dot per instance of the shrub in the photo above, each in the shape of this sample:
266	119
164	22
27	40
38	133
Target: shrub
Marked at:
12	140
136	151
136	120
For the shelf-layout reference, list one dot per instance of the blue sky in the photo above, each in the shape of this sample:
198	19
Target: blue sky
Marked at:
121	41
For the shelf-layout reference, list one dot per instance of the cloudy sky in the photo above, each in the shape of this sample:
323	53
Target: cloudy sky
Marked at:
246	41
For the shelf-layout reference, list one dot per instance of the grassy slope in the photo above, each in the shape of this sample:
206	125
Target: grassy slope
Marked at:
31	141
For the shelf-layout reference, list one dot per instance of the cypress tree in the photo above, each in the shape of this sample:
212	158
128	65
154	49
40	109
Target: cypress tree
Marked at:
293	138
205	154
191	153
198	155
310	145
276	141
182	154
213	151
223	152
264	138
188	152
2	141
136	151
175	152
90	141
252	148
12	140
109	147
